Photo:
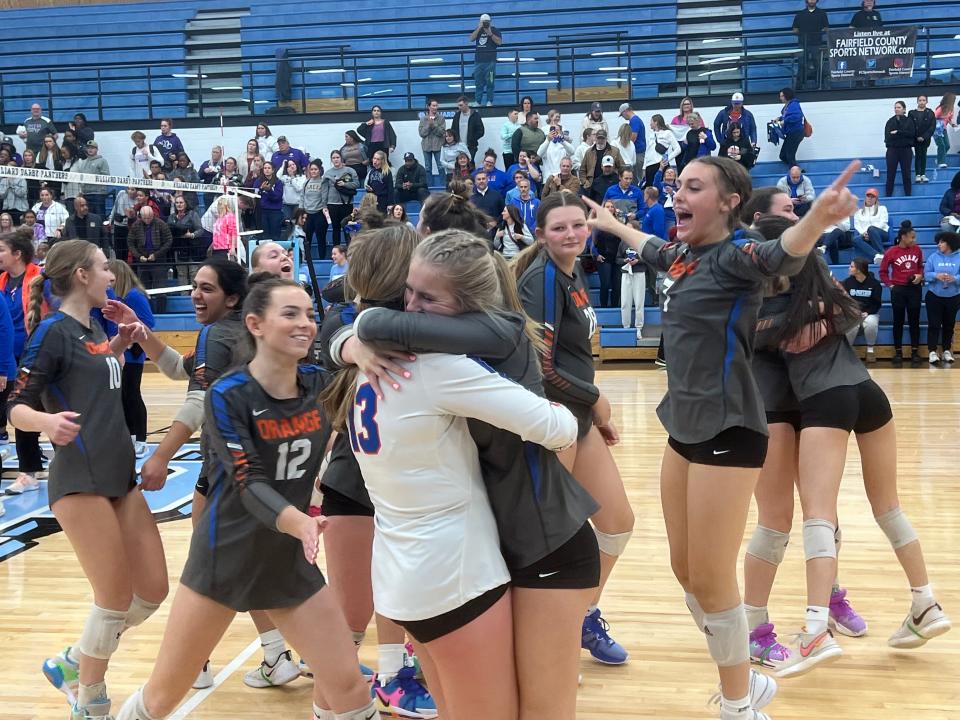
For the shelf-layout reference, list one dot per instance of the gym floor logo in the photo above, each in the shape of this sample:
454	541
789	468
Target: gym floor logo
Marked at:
28	517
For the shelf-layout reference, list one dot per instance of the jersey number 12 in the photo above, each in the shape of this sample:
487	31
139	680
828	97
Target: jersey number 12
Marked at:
290	459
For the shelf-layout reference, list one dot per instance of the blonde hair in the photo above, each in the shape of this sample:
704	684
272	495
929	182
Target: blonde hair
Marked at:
377	274
384	164
224	204
125	279
60	265
368	202
623	134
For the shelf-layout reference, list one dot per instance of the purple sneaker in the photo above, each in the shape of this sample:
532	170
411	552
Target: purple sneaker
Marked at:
843	618
764	648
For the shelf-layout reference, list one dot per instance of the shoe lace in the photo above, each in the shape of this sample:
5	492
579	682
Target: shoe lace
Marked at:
601	628
840	604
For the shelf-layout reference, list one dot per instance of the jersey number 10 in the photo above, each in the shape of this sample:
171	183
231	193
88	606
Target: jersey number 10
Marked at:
116	375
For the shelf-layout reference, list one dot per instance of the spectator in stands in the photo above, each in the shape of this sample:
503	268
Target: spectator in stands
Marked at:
866	17
737	146
594	119
339	185
411	181
122	214
185	172
6	143
526	165
638	135
528	137
69	163
340	265
809	25
527	203
800	189
399	213
926	122
945	119
163	198
150	241
699	141
554	148
871	224
899	135
380	180
449	151
271	202
863	287
286	152
654	219
33	186
37	230
633	286
250	157
378	133
624	145
679	124
168	143
588	138
942	273
484	197
949	206
6	223
293	184
496	179
512	235
266	142
211	170
461	170
604	247
526	105
186	229
431	131
83	224
35	128
81	130
354	154
592	160
901	270
662	147
142	199
564	180
467	126
142	155
624	195
735	114
230	174
94	164
838	237
312	199
49	155
605	179
486	39
507	130
792	121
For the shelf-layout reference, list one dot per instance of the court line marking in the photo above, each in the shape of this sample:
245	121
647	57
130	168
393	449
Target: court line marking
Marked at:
198	697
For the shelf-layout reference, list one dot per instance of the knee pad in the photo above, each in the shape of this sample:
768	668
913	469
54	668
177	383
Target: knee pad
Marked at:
613	544
897	528
696	612
101	633
818	539
768	545
728	636
358	637
139	611
134	709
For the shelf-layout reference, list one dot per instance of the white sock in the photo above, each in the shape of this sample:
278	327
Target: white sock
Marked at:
817	618
922	597
273	646
734	708
322	714
90	694
756	616
367	712
390	662
72	655
591	609
695	610
135	709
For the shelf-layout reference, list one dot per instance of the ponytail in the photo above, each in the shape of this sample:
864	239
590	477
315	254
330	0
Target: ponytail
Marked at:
35	307
525	258
62	262
906	227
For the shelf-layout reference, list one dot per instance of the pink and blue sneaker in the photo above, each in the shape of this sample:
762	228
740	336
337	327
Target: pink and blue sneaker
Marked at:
765	650
596	638
843	618
404	697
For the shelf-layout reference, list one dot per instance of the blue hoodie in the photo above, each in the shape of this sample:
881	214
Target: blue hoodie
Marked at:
496	179
940	263
792	117
528	210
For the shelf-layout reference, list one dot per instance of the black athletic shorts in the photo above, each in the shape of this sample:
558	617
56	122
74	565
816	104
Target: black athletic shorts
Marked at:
734	447
790	417
436	627
337	504
575	565
860	408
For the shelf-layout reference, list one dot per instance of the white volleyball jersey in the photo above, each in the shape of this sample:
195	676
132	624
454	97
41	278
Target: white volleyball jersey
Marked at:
436	544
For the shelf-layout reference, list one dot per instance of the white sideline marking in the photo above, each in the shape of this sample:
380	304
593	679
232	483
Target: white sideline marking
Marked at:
200	695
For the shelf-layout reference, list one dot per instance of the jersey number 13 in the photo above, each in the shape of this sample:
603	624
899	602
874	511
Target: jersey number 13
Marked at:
365	435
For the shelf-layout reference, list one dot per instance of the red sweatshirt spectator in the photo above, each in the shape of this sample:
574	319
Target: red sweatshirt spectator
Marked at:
901	270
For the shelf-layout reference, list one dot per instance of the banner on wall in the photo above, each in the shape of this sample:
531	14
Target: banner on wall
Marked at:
871	53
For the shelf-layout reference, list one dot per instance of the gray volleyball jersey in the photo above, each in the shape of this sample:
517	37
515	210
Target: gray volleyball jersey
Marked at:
69	366
265	456
537	504
709	304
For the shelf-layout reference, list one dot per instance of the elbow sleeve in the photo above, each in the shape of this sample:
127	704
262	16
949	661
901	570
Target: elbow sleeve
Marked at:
170	363
191	414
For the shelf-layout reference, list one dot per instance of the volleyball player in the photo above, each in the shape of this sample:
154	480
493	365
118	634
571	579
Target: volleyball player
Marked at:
541	511
256	547
713	411
837	396
219	288
69	387
435	519
554	293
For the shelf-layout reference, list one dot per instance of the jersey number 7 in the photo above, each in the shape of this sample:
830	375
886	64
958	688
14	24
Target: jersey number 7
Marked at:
366	437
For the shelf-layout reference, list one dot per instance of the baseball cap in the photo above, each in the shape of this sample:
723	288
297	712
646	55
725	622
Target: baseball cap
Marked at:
624	107
596	106
282	138
737	97
409	156
485	18
6	140
872	191
608	161
92	143
601	133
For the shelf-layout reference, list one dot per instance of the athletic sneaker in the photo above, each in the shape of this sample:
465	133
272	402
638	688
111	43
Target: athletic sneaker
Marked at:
877	259
411	653
404	696
284	670
93	711
763	689
843	618
765	649
947	356
934	358
917	629
140	449
204	679
595	637
871	356
63	674
811	650
25	482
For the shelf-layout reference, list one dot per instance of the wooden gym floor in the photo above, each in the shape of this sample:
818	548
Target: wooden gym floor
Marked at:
44	597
